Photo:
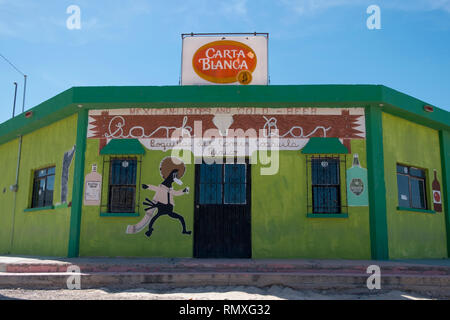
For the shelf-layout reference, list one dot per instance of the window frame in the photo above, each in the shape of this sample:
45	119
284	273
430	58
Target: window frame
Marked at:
331	209
106	188
410	177
223	183
36	178
341	187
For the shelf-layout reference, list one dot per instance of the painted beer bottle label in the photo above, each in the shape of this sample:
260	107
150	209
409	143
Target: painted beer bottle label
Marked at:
93	188
357	194
437	200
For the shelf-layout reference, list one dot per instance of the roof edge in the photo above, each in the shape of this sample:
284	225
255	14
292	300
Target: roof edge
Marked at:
410	108
70	101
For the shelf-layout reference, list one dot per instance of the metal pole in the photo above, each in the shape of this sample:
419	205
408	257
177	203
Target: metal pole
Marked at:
15	189
24	91
15	95
24	80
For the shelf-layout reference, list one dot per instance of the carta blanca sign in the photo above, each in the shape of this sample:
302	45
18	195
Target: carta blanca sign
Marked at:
208	60
225	61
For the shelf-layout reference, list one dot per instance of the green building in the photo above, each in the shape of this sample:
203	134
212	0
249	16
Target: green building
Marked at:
320	171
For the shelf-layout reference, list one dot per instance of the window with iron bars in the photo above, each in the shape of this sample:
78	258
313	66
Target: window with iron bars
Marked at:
122	194
326	192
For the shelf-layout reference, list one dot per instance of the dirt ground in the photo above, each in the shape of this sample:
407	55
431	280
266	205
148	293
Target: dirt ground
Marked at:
202	293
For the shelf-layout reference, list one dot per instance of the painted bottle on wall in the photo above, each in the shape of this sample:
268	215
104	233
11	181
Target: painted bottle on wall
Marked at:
92	188
357	193
437	200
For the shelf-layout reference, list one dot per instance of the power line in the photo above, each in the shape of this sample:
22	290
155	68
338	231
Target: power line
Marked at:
24	79
12	65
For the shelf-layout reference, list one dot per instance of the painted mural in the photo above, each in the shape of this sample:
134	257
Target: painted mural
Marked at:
283	128
67	161
194	129
437	200
172	170
93	187
357	193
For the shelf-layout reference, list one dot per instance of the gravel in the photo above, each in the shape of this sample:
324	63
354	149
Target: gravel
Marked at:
203	293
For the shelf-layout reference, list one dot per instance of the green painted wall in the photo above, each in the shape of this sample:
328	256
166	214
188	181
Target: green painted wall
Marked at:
43	232
8	159
281	228
412	234
105	236
444	139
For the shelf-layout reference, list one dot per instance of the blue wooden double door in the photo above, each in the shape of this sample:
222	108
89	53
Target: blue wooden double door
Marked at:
222	218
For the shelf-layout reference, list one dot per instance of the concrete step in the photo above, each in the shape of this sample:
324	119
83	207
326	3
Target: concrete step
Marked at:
97	265
433	285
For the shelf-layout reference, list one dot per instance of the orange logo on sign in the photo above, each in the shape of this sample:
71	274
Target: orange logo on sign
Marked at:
223	62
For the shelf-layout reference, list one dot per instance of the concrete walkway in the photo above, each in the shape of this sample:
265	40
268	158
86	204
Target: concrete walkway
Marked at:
430	277
99	264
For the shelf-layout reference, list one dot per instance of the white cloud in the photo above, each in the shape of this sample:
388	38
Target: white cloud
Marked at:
420	5
235	7
40	22
305	7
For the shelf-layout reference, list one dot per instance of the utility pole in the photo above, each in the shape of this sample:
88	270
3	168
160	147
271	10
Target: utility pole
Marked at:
24	80
24	91
15	187
15	95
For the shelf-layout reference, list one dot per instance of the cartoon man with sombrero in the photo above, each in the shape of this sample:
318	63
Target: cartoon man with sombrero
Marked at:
172	170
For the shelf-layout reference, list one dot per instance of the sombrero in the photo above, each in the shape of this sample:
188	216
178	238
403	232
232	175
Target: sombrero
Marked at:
168	164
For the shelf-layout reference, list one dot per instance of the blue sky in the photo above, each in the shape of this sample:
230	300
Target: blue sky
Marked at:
137	42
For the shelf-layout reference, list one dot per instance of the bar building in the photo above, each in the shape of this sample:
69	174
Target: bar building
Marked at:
362	172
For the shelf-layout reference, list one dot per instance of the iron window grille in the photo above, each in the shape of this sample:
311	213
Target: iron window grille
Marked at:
43	187
412	187
326	184
223	184
120	194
